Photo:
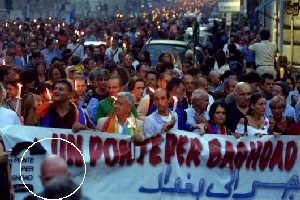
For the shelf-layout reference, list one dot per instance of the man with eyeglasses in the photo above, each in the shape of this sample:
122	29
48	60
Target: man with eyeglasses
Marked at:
239	107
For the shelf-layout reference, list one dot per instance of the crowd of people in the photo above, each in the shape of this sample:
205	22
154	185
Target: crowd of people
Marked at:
49	78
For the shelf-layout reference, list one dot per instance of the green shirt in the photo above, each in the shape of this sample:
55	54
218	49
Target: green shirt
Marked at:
106	107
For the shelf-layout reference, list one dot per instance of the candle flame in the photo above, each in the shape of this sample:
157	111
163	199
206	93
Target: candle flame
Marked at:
48	94
20	86
175	99
75	84
114	98
3	62
124	45
131	123
151	89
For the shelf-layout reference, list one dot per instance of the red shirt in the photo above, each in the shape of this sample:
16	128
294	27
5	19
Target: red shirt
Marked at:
294	129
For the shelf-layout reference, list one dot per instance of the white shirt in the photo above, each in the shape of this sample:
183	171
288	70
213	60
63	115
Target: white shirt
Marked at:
78	52
8	117
251	131
116	54
264	52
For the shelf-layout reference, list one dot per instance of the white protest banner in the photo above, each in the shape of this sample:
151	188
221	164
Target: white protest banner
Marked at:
174	166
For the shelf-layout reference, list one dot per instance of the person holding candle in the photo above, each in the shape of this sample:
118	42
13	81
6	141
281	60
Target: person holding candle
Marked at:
118	122
106	106
163	119
62	112
176	88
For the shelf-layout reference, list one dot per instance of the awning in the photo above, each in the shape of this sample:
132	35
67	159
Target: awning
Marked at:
263	5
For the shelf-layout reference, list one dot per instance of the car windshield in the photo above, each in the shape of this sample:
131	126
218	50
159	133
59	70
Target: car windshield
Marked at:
156	49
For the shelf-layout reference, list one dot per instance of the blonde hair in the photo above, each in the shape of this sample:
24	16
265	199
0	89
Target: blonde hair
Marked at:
277	101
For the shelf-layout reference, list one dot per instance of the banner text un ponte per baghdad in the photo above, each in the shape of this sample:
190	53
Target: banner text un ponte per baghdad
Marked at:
174	166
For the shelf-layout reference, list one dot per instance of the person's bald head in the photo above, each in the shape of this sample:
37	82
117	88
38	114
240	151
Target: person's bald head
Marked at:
242	94
53	166
214	77
202	83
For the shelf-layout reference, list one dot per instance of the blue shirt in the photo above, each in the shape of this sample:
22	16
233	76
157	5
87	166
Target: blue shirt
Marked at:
182	124
48	56
191	117
248	55
91	108
154	123
18	62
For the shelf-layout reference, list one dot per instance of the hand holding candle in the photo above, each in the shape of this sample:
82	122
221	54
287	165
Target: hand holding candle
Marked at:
18	105
114	98
48	94
124	47
151	89
131	126
175	103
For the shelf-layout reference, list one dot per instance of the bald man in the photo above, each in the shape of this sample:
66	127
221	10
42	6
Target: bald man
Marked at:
240	105
214	77
52	166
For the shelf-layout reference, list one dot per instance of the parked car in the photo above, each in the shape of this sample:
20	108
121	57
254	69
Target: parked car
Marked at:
156	47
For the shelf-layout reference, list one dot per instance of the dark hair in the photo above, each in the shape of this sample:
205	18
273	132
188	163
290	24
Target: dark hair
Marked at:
210	61
36	54
253	99
60	68
64	82
132	83
153	72
265	76
221	58
13	83
162	67
228	73
173	83
252	77
285	88
90	47
123	74
193	71
297	77
41	88
205	69
291	78
147	57
75	60
3	72
27	77
87	60
232	48
111	67
49	42
264	34
138	67
214	107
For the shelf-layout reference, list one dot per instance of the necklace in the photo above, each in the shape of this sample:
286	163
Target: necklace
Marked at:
258	123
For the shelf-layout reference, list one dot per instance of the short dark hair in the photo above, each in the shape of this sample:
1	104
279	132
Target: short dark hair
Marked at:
138	67
75	60
173	83
114	78
285	88
153	72
164	66
265	76
214	107
3	72
252	77
297	77
210	61
64	82
132	82
264	34
49	42
87	60
228	73
253	99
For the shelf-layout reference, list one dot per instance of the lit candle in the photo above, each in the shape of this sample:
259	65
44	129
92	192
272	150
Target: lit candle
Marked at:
18	105
6	24
114	98
58	25
63	23
151	89
48	94
82	32
175	103
34	20
75	85
111	39
124	46
20	27
131	126
3	62
49	18
38	26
